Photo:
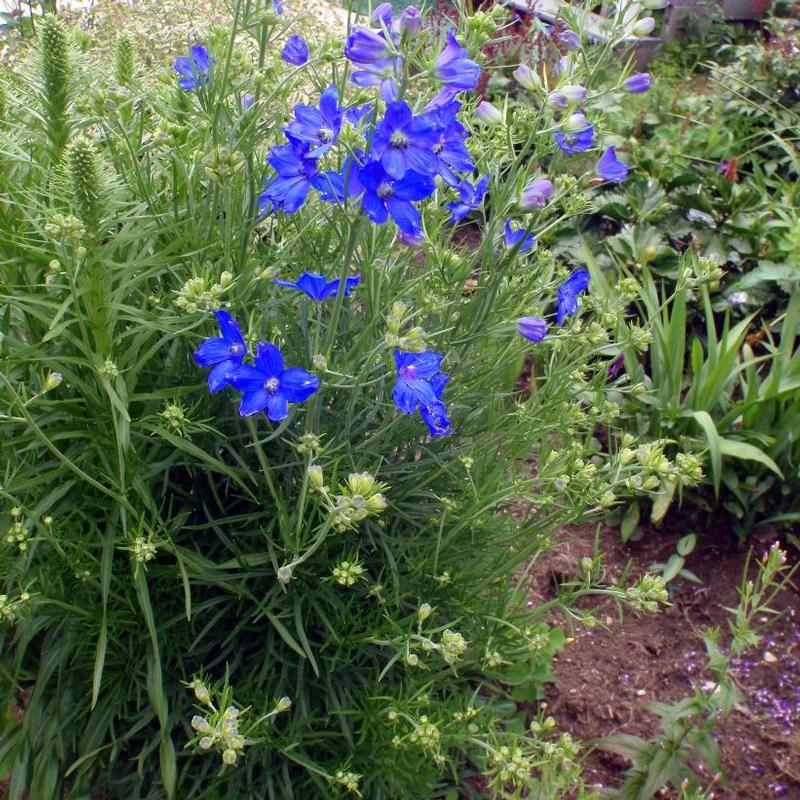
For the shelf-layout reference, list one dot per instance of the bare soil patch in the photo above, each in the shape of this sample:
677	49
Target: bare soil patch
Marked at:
606	674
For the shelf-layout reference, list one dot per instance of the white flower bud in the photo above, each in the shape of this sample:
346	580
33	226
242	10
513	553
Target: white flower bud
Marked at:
644	27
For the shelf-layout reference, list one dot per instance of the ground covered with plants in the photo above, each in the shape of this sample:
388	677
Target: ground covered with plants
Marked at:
397	406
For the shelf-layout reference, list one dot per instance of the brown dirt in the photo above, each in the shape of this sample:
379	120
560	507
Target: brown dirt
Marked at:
607	673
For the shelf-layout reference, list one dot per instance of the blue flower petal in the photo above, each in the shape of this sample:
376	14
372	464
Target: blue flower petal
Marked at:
297	384
253	402
277	407
269	360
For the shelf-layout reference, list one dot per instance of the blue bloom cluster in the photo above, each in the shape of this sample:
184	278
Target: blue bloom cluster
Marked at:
419	387
194	70
535	328
266	385
404	150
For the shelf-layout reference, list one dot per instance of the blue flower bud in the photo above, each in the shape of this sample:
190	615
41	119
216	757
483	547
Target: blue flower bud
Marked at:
410	22
638	83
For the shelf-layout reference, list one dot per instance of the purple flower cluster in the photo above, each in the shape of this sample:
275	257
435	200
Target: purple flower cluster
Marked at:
404	150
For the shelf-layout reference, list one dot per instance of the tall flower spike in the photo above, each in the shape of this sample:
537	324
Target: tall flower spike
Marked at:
124	60
269	385
55	65
222	353
84	175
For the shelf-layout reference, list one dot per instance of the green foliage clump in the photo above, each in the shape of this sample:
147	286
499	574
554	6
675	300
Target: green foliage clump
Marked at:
203	604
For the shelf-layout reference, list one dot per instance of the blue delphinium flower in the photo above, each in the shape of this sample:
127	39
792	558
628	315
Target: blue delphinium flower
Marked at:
638	83
382	15
471	198
194	69
569	39
319	128
331	184
409	24
318	287
532	328
577	141
295	51
536	194
435	417
419	386
450	148
373	53
223	353
454	68
411	240
567	294
269	386
277	6
404	142
513	237
288	190
355	114
610	168
385	196
365	47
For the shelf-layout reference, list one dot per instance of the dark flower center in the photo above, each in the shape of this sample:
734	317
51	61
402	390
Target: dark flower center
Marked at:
399	140
271	385
325	135
385	189
438	147
408	373
235	349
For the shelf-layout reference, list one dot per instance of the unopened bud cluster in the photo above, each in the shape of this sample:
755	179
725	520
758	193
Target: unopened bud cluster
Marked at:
347	573
65	228
223	163
413	340
349	780
18	532
648	593
221	731
9	609
360	496
143	550
199	294
174	415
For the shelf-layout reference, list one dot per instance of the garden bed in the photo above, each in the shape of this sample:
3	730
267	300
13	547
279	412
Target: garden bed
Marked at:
607	674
